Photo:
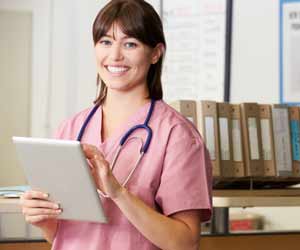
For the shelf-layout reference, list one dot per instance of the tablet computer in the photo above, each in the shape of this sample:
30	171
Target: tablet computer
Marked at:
59	168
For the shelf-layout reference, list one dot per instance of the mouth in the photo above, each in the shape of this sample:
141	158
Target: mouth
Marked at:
117	69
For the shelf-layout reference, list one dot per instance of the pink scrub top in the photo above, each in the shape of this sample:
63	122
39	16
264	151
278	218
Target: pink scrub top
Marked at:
174	175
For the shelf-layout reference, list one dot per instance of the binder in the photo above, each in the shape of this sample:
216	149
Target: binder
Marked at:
294	114
187	108
237	141
252	139
282	139
225	136
208	127
269	161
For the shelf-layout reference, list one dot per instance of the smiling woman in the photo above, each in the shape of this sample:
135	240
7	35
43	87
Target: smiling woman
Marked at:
123	62
168	194
140	30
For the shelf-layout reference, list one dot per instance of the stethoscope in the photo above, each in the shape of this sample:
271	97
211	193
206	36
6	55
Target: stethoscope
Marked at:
125	138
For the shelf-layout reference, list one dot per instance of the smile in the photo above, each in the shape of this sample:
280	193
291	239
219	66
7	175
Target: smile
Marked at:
117	69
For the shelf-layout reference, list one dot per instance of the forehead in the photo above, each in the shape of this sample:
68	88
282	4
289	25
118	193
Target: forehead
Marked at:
116	31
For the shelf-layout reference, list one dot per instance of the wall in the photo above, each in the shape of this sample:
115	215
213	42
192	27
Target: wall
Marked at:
73	71
15	93
255	51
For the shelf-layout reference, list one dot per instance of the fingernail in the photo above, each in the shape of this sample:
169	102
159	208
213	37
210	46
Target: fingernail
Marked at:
46	195
56	206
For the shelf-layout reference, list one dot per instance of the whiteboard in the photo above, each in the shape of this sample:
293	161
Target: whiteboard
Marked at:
255	51
194	62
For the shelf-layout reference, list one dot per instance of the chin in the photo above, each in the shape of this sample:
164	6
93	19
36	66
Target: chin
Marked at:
119	87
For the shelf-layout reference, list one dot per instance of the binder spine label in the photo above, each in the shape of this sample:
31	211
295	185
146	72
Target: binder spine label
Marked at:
266	139
253	138
282	140
295	136
224	139
236	140
210	136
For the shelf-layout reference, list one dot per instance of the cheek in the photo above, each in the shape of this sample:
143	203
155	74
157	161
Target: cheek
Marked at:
143	63
98	58
99	55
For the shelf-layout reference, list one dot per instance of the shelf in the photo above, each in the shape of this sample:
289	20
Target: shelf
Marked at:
255	182
257	198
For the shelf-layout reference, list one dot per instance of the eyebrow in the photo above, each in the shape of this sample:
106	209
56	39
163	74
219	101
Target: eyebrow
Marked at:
124	37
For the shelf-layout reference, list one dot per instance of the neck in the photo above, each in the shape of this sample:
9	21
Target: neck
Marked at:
119	102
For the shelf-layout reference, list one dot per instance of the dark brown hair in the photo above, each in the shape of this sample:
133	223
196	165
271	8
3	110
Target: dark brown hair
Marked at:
137	19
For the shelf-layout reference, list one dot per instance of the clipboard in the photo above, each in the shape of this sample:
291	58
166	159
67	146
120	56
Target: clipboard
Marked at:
59	168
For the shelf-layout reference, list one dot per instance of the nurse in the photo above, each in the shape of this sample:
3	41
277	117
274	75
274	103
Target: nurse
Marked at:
169	193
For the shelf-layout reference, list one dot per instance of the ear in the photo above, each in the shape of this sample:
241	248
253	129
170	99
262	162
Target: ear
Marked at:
157	52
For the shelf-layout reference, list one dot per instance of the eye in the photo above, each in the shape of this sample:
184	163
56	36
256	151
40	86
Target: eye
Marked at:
130	45
105	42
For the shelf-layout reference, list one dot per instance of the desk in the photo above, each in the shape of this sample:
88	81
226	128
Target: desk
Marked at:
225	199
274	241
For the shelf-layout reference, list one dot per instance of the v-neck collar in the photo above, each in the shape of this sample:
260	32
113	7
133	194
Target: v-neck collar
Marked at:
138	117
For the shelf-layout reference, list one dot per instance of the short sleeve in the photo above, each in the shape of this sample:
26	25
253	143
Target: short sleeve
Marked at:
65	131
186	180
69	128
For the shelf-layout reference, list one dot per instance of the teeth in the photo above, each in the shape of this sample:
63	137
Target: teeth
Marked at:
116	69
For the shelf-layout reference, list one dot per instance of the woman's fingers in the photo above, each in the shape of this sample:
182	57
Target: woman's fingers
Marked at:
32	194
96	158
101	171
91	151
40	204
38	218
37	199
93	154
40	211
37	208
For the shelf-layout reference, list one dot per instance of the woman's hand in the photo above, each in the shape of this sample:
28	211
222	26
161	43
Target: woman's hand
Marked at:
38	209
100	169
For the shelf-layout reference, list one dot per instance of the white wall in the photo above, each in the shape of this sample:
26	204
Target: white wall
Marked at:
255	51
15	89
73	71
40	11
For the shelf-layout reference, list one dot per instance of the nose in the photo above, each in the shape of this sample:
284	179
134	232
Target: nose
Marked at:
116	52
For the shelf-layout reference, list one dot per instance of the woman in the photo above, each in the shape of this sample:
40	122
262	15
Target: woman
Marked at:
164	201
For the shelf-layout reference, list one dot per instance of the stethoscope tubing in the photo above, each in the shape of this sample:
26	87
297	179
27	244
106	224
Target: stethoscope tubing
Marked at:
145	126
123	140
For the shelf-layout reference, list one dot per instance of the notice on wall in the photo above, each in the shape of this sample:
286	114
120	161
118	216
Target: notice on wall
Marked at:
194	62
289	51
